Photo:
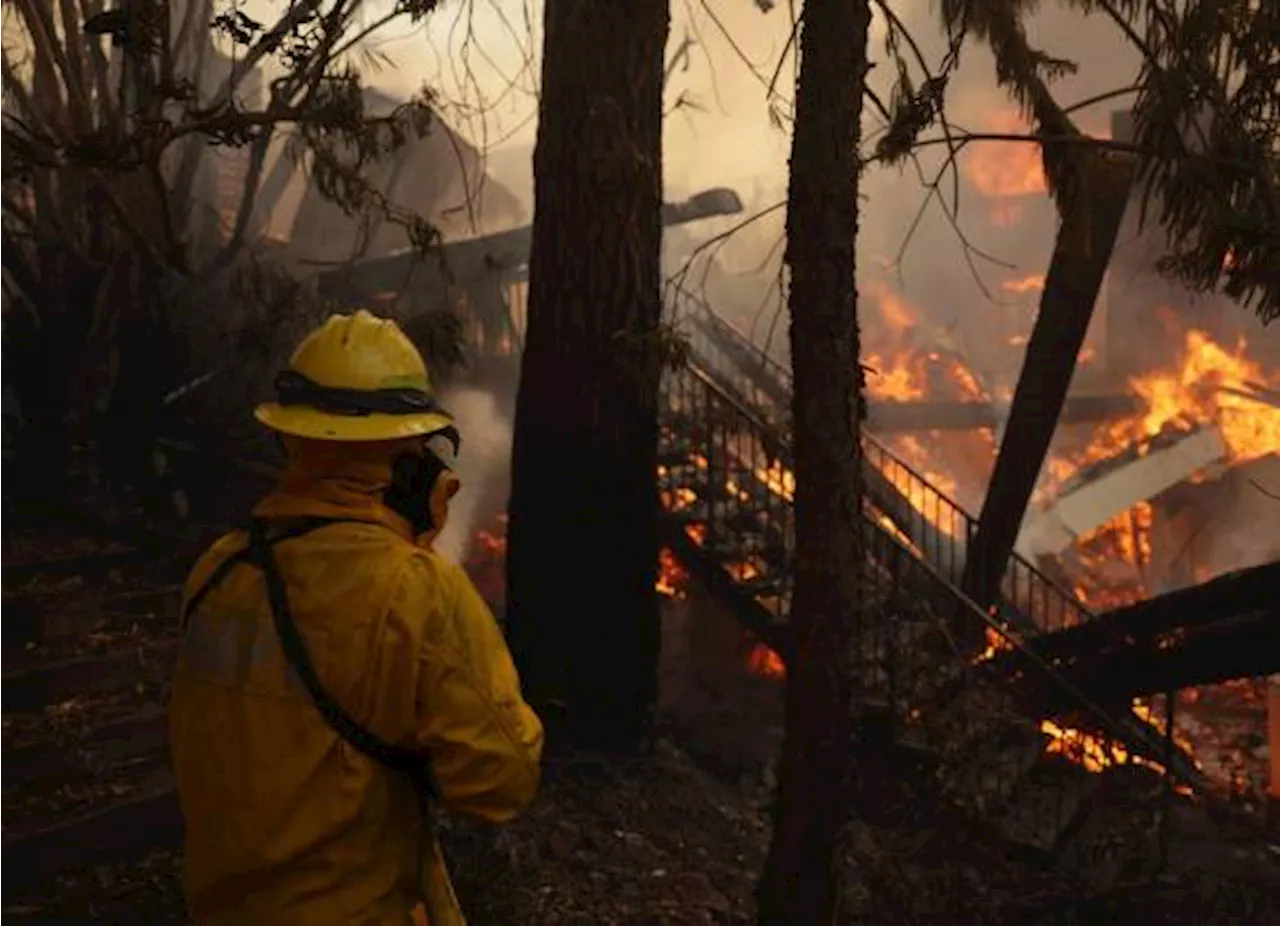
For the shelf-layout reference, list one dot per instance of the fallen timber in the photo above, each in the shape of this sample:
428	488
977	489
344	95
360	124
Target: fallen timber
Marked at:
1183	610
1243	646
1114	486
501	255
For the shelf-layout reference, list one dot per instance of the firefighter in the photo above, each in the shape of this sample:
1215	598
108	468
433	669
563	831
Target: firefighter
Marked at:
337	679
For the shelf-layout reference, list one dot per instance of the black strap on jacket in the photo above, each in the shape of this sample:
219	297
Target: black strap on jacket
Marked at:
260	553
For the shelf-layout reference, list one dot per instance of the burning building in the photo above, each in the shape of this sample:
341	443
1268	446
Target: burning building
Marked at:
1160	490
1173	480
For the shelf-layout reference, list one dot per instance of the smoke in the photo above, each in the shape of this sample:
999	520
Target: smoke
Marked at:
483	466
728	103
724	98
966	279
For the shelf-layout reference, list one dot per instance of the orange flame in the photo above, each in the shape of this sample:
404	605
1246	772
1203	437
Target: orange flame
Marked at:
765	662
671	575
1204	389
1031	283
1000	169
1095	754
1208	385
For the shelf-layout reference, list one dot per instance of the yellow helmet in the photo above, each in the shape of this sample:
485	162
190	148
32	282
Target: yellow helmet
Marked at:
355	378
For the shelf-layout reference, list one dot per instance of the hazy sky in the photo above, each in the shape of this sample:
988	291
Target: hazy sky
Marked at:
483	58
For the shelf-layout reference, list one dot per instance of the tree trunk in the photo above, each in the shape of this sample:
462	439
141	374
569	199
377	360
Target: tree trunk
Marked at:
1080	258
582	557
801	880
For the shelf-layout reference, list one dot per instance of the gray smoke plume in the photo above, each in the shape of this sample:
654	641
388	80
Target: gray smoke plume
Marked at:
483	466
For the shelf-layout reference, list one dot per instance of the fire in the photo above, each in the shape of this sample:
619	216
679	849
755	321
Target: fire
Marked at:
1144	711
671	575
1126	539
1204	389
1209	385
910	375
486	558
1006	169
494	543
765	662
779	479
1031	283
894	379
995	644
886	522
903	372
912	449
1093	753
896	313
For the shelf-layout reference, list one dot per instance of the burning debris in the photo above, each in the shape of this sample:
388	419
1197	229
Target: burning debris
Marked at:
671	575
1210	410
1106	491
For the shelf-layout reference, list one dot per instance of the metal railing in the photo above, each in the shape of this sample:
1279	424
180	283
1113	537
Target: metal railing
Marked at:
940	529
726	488
734	361
717	459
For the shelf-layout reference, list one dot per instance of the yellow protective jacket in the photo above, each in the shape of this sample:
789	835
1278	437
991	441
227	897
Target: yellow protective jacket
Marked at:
285	822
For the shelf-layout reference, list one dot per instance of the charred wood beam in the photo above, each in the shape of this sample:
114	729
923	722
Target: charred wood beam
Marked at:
1138	625
1091	222
502	254
1244	646
1124	481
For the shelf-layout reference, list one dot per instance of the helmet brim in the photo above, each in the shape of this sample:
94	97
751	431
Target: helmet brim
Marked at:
301	421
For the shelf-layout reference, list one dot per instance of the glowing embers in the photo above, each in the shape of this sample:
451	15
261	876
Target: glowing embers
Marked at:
749	508
672	577
765	662
1094	753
